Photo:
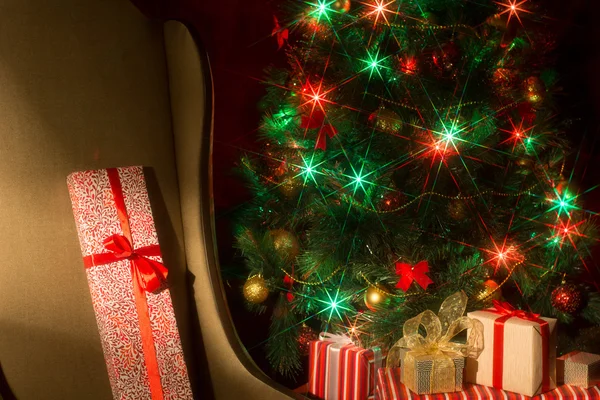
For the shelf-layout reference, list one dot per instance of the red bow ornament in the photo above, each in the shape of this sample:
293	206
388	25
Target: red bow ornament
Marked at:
282	35
316	120
148	273
409	273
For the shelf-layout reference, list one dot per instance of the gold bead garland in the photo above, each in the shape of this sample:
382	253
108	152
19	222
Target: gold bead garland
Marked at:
492	192
314	283
384	292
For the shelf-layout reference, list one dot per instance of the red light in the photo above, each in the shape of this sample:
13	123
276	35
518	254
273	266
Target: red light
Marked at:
513	8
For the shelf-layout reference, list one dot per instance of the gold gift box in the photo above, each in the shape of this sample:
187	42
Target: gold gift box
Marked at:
421	376
578	369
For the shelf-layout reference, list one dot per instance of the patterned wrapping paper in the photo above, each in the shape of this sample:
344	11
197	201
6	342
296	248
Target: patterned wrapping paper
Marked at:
341	371
579	369
390	388
95	204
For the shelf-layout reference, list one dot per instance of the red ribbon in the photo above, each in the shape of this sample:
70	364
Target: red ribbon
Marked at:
409	273
147	276
507	311
315	120
149	273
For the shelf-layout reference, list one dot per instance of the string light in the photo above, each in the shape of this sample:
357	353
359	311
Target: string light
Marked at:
565	230
503	256
513	8
563	204
379	8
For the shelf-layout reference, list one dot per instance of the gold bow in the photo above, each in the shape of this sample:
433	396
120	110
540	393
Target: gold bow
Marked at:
437	343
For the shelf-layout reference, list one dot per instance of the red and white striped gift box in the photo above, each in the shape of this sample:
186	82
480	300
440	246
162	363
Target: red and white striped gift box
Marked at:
341	370
389	387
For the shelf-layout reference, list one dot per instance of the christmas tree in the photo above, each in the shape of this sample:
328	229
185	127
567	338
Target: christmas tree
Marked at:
410	150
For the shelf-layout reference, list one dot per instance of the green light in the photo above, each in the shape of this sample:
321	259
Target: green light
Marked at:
450	134
334	305
563	204
373	64
321	8
309	170
358	179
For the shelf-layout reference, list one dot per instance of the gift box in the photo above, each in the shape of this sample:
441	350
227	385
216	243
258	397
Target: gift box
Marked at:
422	376
389	387
126	277
434	363
578	369
520	351
340	370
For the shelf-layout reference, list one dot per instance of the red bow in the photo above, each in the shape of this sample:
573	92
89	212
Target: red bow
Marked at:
409	273
149	273
315	120
505	308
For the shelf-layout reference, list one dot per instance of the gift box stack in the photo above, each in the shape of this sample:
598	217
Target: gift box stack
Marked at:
127	282
507	354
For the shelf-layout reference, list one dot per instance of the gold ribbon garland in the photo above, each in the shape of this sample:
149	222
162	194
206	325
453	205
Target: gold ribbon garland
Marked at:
437	346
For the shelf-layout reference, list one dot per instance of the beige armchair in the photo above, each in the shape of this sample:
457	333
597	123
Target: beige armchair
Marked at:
87	85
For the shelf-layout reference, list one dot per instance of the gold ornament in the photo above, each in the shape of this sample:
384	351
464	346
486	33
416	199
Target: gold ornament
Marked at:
489	291
341	6
458	210
285	244
437	344
430	18
385	120
291	186
497	21
376	298
255	289
564	186
526	165
534	90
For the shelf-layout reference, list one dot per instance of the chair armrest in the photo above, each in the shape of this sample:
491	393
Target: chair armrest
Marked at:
232	371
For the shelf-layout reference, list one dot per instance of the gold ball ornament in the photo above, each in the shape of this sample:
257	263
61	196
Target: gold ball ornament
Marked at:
285	244
376	298
534	90
385	120
497	21
489	291
564	186
458	210
525	165
255	289
430	18
390	201
291	187
341	6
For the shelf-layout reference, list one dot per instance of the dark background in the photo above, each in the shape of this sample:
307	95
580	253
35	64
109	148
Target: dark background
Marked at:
236	35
